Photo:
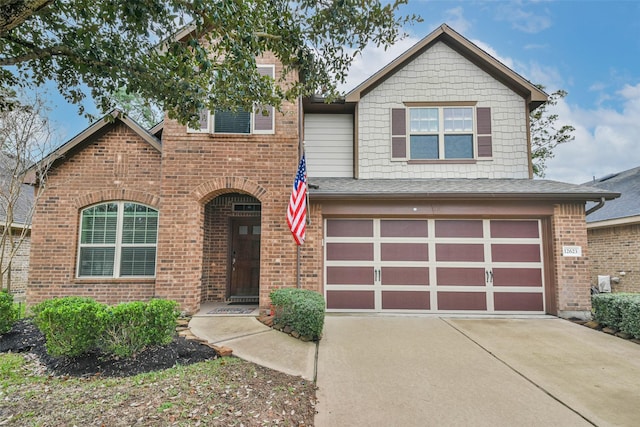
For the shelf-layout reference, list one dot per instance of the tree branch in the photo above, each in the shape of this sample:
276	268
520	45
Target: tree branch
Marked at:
15	12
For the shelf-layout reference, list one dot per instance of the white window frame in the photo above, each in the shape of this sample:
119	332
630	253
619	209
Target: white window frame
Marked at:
118	245
210	128
441	133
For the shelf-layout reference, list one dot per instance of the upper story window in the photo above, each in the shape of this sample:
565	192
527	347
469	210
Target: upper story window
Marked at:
118	239
241	122
441	133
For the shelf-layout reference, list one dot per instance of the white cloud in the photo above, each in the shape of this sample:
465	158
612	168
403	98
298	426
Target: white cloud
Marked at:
455	19
522	19
606	140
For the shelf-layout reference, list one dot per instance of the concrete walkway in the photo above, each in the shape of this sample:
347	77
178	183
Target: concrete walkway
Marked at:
428	371
255	342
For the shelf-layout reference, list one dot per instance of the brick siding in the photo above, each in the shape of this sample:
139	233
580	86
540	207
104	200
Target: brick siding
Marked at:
571	273
19	266
615	249
115	165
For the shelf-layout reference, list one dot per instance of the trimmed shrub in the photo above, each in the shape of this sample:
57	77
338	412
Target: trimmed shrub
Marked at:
630	322
8	312
606	310
161	316
619	311
123	329
70	325
300	309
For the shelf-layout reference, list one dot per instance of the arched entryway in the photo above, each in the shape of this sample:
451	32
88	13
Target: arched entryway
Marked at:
231	249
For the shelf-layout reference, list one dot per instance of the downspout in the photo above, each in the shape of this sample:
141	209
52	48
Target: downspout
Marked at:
596	207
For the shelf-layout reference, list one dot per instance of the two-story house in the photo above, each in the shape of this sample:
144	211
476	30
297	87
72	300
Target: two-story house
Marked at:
421	200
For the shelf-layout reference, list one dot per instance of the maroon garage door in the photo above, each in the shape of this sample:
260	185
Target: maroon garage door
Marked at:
434	265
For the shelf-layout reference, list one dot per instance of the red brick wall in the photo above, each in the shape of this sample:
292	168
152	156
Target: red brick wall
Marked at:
571	273
116	165
615	249
199	167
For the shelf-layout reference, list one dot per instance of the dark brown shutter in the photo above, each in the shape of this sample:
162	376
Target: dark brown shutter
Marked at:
484	132
263	115
398	133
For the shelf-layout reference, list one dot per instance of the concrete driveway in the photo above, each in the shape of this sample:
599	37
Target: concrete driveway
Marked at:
429	371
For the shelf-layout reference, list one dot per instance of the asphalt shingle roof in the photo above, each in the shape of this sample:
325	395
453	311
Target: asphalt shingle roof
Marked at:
627	183
453	188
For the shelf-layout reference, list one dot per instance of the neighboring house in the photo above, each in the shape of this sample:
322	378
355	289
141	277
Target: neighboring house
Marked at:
18	230
421	200
613	231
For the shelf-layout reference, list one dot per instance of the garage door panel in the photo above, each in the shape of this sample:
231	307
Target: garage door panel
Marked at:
517	277
406	300
350	228
350	275
434	265
405	276
351	300
515	253
516	301
403	228
462	301
514	229
461	276
350	251
404	252
459	228
459	252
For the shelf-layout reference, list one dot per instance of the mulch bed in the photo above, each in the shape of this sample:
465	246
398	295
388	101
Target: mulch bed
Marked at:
24	337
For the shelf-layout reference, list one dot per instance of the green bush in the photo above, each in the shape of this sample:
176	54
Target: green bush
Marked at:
123	329
8	312
300	309
630	322
73	326
161	316
606	309
619	311
70	325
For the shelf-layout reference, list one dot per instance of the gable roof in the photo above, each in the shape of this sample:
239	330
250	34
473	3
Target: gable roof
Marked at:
466	48
95	129
625	209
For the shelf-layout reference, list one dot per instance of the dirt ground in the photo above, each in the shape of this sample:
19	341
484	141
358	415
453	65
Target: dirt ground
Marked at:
101	391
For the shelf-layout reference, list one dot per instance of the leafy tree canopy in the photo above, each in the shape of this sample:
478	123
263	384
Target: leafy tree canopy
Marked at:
186	55
546	133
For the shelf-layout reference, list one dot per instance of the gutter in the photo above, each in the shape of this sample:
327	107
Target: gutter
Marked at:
596	207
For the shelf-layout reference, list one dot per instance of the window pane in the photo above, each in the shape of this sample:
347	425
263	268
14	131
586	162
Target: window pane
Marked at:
458	146
458	119
99	224
139	224
96	261
424	146
138	262
232	122
423	119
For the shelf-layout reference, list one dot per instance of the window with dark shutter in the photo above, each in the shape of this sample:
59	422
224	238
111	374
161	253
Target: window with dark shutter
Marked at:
263	117
484	132
398	133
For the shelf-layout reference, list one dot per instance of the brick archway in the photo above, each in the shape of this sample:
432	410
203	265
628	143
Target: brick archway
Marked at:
209	190
117	194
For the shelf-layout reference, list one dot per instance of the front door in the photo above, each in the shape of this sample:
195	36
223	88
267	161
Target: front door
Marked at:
245	257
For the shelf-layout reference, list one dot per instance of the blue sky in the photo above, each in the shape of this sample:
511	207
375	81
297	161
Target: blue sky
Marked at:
591	49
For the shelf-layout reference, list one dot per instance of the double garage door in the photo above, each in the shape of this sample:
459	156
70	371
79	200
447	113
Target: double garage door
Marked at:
434	265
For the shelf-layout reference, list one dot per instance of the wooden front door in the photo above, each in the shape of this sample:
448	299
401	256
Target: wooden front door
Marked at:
244	257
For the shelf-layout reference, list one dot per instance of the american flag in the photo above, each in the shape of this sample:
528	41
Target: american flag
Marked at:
297	212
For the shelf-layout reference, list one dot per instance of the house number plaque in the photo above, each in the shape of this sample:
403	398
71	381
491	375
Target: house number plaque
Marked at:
572	251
